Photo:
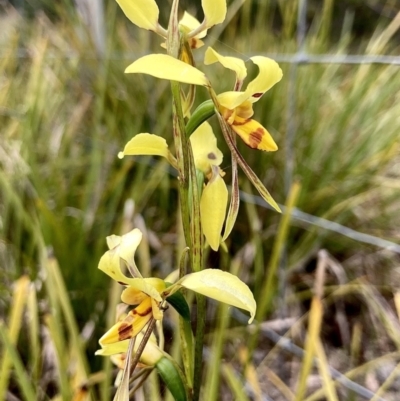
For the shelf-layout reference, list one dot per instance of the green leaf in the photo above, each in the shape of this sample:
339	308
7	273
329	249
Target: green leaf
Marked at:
202	113
178	301
171	377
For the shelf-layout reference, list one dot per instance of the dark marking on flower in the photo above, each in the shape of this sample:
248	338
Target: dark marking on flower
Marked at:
193	43
255	137
211	156
125	331
258	95
122	283
146	312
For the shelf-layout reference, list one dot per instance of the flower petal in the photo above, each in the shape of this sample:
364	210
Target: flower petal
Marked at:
113	241
214	12
143	13
131	325
254	134
110	263
204	147
166	67
148	144
157	312
232	99
127	249
150	356
145	144
191	23
132	296
269	74
115	348
213	203
233	63
223	287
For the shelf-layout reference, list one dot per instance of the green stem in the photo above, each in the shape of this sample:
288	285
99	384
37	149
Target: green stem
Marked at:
198	351
190	208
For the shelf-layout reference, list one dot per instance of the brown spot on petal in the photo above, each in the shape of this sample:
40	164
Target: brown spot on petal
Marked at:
257	95
211	156
122	283
255	137
144	313
193	43
125	331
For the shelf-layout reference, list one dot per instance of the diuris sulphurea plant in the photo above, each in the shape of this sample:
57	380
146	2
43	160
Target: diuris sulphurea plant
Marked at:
208	211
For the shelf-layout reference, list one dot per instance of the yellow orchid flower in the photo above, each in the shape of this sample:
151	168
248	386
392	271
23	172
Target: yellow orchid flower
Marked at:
143	292
149	293
207	158
145	13
236	107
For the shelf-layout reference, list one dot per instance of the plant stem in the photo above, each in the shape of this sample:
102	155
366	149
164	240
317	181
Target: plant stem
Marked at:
198	351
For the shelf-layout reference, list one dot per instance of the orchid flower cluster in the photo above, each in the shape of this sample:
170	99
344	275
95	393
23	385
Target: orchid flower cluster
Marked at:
203	194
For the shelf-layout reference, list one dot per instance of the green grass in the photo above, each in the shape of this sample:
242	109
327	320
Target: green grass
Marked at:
65	114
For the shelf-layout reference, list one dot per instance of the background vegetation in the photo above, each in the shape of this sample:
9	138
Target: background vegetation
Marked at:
66	111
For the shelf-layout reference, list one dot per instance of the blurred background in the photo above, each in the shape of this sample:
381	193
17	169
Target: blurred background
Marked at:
67	108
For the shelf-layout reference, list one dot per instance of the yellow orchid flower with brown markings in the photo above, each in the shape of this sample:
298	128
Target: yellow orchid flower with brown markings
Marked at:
236	107
150	293
145	14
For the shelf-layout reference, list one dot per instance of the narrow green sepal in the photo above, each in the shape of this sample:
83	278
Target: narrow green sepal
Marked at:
178	301
172	379
201	114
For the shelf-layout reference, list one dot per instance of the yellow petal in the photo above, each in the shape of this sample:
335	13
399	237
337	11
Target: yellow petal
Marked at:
157	312
166	67
191	23
204	147
244	110
145	144
232	99
113	241
213	203
110	264
223	287
115	348
127	249
131	325
143	13
214	11
151	286
150	356
254	134
233	63
269	74
132	296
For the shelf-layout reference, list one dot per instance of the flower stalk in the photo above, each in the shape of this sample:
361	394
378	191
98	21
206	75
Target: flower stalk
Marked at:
203	197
